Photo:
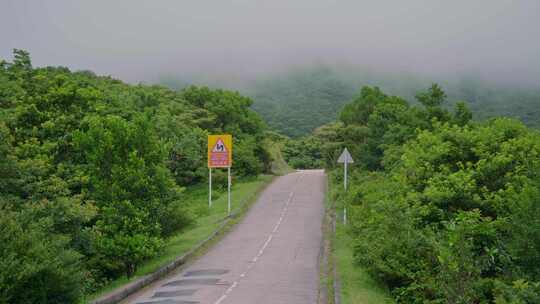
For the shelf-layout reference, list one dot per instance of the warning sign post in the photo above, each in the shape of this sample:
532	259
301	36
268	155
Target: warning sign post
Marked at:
220	156
219	151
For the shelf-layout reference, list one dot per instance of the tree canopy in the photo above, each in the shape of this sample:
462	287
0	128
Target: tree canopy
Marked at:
298	101
92	173
442	209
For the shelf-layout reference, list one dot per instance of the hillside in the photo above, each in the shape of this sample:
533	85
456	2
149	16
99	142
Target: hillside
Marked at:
298	101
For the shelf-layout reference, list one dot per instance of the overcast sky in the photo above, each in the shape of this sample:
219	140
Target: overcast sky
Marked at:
138	40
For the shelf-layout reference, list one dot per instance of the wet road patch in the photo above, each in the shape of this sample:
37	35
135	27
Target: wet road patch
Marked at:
205	272
193	282
169	301
174	293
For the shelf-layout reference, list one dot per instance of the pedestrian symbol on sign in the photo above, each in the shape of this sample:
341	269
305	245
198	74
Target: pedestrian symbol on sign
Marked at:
220	146
219	151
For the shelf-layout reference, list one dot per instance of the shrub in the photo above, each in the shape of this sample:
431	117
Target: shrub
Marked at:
36	266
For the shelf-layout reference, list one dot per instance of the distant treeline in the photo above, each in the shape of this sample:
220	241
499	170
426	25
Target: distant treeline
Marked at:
92	170
296	103
442	209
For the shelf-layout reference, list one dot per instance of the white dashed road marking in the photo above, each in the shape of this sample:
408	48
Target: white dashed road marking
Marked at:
261	252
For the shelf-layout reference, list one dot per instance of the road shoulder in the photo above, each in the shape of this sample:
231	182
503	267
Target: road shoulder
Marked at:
203	240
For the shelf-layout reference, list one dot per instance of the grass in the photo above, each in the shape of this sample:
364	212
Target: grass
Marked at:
205	223
279	165
357	287
326	269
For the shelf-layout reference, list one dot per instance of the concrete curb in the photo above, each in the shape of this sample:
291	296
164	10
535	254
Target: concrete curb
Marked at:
324	251
337	285
125	291
329	293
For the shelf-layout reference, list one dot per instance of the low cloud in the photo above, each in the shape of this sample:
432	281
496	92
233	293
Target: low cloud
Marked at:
241	39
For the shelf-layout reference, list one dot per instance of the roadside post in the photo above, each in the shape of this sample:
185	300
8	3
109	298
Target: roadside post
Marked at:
345	158
220	156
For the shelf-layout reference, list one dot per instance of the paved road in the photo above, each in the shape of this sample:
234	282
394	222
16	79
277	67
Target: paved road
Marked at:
271	257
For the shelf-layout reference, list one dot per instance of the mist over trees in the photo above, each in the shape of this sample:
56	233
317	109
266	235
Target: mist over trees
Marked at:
298	101
444	197
443	207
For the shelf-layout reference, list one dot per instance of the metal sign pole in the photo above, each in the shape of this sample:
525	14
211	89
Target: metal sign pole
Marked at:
209	187
345	186
229	190
220	149
345	158
345	174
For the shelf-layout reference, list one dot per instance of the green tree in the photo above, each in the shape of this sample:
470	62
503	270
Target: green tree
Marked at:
123	239
103	162
36	266
434	97
129	182
462	114
359	110
459	204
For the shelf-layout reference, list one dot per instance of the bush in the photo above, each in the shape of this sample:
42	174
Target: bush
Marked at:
103	163
246	161
456	214
518	292
122	239
36	266
523	237
304	153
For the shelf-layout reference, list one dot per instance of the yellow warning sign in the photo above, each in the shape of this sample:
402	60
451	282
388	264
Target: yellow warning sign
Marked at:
219	151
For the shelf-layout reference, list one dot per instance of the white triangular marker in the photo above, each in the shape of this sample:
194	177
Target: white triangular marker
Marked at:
345	157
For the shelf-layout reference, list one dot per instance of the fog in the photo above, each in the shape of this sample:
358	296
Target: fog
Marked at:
137	40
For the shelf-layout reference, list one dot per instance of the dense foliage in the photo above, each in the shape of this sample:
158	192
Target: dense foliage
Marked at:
92	170
456	216
297	102
442	209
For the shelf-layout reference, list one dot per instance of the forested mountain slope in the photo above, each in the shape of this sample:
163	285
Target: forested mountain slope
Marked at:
297	102
301	101
92	171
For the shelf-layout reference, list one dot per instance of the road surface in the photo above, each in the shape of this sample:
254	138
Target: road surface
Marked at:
271	257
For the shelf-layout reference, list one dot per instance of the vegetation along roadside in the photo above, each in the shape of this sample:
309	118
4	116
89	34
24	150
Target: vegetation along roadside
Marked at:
441	208
208	221
94	174
342	275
